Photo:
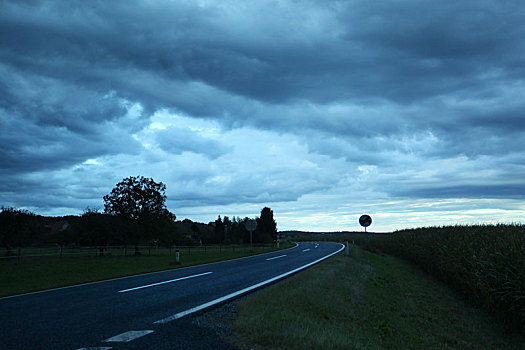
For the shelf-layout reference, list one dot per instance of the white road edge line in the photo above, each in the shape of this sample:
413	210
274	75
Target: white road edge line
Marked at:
163	282
277	257
97	348
242	291
128	336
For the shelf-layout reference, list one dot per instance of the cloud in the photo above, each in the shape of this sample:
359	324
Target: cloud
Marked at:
253	102
178	140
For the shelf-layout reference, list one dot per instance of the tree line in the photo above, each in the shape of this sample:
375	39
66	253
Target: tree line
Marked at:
134	213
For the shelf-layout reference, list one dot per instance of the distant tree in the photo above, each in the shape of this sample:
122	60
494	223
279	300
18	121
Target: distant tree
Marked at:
141	202
266	231
99	229
164	229
196	232
227	229
239	233
208	235
219	231
18	228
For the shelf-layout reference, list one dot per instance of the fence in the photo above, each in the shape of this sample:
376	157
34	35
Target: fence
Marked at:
123	250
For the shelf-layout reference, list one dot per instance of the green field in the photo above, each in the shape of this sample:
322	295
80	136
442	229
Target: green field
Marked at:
366	301
35	273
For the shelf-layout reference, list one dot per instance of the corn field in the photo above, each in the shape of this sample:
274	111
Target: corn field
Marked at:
486	263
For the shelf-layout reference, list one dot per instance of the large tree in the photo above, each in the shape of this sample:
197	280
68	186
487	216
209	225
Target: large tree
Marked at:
135	197
141	201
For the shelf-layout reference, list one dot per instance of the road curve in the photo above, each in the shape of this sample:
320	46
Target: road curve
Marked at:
111	314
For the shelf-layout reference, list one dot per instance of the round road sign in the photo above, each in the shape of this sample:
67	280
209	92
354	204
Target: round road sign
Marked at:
250	225
365	220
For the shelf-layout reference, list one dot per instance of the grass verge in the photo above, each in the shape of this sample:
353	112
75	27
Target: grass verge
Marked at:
367	301
39	273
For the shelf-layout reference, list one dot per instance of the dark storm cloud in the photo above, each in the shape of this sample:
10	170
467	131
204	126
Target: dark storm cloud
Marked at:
377	83
395	51
50	131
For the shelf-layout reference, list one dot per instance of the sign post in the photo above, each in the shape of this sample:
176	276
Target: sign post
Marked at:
365	221
251	225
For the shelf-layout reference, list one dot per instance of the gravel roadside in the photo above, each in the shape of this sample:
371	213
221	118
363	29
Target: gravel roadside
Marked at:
219	323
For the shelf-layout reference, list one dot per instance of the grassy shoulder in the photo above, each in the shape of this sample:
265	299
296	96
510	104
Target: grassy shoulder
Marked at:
39	273
366	301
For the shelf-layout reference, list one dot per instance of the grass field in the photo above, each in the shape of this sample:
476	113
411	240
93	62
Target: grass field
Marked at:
366	301
43	272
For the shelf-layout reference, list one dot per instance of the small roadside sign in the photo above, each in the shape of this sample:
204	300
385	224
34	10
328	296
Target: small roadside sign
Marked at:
251	225
365	221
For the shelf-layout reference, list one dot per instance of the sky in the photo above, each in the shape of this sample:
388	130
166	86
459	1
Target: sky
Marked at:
410	111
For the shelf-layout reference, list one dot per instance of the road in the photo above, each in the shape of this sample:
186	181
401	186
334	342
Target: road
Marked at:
113	314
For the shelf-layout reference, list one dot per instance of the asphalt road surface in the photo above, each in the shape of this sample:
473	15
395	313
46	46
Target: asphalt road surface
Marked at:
144	311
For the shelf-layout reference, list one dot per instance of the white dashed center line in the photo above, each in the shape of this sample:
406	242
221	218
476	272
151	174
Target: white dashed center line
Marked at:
276	257
128	336
306	250
163	282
